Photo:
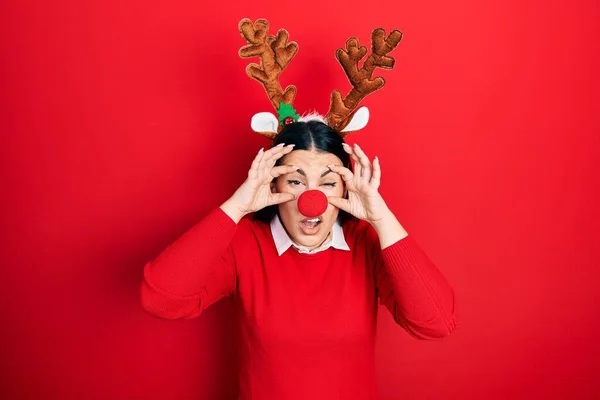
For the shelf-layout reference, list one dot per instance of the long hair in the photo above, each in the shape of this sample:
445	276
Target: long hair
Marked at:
309	135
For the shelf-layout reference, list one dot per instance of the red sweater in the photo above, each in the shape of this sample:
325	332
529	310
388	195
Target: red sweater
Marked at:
307	320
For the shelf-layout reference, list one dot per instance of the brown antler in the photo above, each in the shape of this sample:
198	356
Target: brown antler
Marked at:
275	54
340	110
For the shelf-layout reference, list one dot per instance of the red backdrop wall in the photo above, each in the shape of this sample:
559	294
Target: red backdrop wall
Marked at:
125	122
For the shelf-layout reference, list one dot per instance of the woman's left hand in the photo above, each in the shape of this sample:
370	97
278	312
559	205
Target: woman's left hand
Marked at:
364	200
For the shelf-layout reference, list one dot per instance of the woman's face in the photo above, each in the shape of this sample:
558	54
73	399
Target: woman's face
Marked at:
312	175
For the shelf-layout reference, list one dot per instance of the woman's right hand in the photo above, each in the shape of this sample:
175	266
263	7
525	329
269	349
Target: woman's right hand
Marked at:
255	193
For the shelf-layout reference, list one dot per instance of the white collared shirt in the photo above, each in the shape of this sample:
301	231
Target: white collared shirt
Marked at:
283	241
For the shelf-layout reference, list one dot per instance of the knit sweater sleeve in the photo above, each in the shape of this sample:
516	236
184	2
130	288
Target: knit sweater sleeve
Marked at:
193	272
413	289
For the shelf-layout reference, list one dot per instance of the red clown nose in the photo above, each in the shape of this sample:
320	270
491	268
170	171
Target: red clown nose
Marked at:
312	203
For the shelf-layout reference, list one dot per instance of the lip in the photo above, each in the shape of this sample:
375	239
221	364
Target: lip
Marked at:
309	231
306	219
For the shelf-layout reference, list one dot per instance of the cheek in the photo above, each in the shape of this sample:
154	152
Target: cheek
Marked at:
288	208
330	215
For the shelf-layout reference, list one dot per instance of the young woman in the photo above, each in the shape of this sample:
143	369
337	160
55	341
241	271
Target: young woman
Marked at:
307	288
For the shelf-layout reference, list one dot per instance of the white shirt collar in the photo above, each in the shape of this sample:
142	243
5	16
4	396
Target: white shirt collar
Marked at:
283	241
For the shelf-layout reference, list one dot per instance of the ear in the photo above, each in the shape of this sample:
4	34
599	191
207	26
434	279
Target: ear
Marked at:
265	123
359	120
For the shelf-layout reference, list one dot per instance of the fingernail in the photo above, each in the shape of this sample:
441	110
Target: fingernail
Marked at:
280	145
261	150
291	145
345	145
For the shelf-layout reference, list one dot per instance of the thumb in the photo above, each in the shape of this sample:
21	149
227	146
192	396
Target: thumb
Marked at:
340	203
278	198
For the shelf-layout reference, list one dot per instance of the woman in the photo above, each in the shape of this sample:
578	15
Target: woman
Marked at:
307	290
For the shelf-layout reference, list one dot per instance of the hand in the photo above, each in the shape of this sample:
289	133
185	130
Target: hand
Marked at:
255	193
364	200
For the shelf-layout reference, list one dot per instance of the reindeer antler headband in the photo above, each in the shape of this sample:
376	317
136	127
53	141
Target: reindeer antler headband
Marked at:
275	54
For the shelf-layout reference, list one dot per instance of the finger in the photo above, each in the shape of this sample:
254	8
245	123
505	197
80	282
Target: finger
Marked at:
342	204
278	198
283	169
286	150
354	157
347	148
357	166
272	151
350	151
272	158
254	167
345	173
268	161
364	162
376	179
275	149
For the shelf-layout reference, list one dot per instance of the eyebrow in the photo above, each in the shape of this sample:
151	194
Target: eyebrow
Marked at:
301	172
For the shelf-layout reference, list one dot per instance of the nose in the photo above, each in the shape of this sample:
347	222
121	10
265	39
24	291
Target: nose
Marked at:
312	203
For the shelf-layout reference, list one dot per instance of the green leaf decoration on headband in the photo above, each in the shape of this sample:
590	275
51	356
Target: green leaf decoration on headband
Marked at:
286	111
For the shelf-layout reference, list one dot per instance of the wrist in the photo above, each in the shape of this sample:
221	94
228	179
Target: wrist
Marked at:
233	210
388	229
386	217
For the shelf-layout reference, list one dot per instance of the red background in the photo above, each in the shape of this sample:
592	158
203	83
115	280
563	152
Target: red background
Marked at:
125	122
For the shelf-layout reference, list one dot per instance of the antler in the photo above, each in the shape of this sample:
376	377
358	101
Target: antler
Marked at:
362	85
275	54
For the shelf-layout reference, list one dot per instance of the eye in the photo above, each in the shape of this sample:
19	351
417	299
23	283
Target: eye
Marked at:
331	184
294	182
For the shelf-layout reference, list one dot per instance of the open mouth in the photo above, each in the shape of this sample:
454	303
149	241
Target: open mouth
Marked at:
311	223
